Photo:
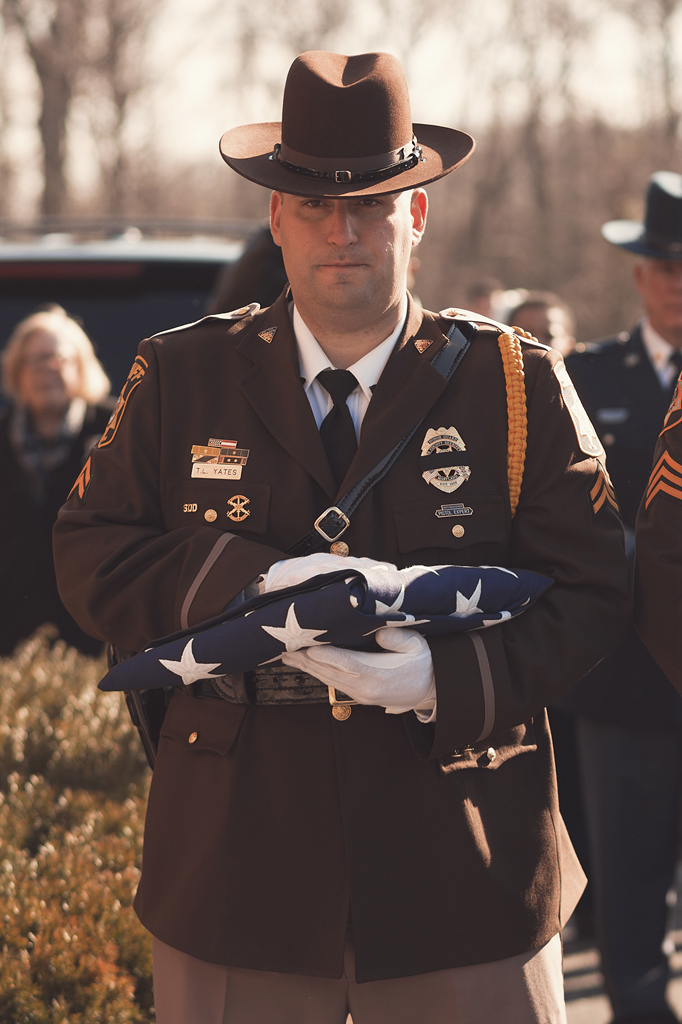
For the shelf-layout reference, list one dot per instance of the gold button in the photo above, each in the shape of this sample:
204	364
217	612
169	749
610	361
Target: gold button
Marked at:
491	753
341	712
210	515
193	737
339	547
458	531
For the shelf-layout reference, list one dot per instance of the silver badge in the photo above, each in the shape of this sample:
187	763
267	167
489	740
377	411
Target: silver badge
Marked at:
441	442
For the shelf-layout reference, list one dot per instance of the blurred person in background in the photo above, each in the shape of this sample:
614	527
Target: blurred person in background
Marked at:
629	717
257	276
57	387
484	296
548	318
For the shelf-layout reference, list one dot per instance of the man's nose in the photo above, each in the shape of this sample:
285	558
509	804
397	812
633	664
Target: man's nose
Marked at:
341	225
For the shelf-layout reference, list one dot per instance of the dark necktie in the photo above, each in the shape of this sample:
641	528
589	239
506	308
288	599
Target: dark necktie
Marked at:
675	359
337	430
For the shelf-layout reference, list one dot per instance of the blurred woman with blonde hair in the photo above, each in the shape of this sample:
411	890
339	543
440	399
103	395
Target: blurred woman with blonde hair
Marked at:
58	390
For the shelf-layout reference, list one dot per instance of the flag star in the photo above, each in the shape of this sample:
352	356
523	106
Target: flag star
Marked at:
384	609
189	668
468	605
494	622
293	636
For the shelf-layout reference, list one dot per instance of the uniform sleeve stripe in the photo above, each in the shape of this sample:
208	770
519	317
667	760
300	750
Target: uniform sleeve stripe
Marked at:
213	556
487	684
600	501
674	492
665	468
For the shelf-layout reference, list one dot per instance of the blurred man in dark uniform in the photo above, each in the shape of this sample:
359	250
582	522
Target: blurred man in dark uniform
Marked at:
403	858
629	716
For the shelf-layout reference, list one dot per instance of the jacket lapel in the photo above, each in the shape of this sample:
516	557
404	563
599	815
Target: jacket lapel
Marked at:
273	387
648	386
407	389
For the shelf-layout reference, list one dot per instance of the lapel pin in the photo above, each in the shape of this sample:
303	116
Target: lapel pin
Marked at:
268	335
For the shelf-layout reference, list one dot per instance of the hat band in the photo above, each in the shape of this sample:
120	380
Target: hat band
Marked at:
390	164
661	242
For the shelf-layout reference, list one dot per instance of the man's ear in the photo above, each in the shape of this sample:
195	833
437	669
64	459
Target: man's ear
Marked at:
419	205
275	212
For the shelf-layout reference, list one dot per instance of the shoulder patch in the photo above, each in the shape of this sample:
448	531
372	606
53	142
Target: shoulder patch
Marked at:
587	436
137	372
600	492
666	478
674	413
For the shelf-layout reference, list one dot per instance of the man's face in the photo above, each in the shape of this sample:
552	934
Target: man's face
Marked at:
348	256
659	282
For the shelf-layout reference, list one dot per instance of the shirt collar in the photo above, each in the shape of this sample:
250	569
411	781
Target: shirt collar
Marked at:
658	349
312	359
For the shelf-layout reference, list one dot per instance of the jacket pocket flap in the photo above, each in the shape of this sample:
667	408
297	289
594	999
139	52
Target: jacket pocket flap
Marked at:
476	519
232	505
203	724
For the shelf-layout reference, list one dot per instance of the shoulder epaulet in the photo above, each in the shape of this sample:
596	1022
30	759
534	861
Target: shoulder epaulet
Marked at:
452	313
235	315
612	343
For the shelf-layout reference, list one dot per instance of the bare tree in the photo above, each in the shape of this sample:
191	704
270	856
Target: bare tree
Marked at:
54	34
655	19
117	71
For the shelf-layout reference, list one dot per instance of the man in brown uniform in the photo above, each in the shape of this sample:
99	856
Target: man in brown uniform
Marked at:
303	861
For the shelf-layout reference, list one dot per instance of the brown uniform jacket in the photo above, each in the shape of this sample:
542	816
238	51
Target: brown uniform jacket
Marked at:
658	573
264	831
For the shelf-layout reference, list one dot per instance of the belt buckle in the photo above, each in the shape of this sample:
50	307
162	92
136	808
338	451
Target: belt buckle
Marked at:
333	510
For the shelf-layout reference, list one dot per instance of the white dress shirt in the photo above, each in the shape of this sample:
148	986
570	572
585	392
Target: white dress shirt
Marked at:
312	360
659	351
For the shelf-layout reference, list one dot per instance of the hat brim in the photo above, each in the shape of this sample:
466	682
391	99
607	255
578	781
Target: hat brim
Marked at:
248	150
632	235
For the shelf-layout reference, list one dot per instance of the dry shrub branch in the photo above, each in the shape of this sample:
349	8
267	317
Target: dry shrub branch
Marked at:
72	794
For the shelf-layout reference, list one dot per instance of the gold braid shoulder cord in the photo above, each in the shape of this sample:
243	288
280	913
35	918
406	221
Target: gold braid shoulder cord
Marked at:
512	360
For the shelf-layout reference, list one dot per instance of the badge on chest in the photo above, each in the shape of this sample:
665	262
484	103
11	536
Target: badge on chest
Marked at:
443	461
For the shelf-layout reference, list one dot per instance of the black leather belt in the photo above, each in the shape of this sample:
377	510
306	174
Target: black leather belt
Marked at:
276	685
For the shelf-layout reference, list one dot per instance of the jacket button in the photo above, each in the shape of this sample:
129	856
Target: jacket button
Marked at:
339	547
193	737
458	531
491	754
341	712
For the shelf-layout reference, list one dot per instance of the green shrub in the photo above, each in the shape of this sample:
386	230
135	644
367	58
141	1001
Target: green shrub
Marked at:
73	786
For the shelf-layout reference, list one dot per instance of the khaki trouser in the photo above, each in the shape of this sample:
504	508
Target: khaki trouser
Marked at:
524	989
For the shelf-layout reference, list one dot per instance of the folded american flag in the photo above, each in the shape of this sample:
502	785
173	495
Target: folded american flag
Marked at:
342	608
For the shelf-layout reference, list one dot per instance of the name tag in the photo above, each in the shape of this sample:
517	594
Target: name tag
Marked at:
216	472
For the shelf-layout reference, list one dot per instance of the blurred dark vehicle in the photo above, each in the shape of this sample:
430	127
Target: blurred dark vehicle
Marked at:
123	288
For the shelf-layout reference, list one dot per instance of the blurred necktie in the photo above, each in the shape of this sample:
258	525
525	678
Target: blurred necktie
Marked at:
675	359
337	430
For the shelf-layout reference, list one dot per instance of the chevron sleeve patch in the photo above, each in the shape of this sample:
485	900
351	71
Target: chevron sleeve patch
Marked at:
83	482
666	478
601	492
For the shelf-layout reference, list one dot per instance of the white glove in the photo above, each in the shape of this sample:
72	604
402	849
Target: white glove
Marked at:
292	571
400	681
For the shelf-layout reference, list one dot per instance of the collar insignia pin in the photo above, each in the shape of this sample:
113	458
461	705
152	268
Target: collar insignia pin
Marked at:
268	334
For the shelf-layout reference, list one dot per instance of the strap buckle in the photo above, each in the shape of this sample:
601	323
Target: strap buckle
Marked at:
332	523
336	697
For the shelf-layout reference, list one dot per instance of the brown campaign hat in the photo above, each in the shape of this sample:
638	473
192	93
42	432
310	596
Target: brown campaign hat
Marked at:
346	130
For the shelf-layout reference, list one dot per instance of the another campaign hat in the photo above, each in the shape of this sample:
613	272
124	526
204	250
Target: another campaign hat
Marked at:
660	236
346	130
